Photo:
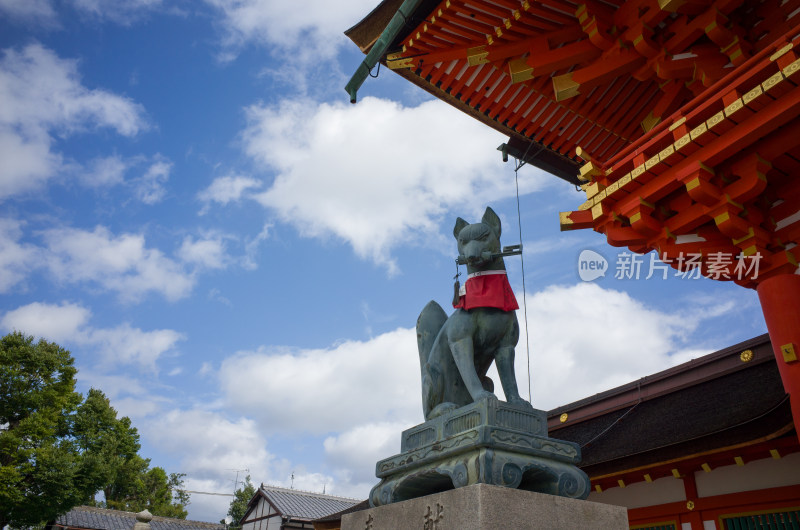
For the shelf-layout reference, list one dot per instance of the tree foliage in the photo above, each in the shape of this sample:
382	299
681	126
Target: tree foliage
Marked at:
58	450
238	507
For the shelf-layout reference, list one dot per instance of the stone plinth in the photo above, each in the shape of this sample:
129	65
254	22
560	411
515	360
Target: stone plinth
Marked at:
486	507
486	442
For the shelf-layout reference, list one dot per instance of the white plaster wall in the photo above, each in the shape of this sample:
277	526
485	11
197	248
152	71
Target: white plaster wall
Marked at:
639	494
755	475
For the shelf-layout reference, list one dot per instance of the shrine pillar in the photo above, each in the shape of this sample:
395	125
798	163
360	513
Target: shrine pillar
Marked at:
780	302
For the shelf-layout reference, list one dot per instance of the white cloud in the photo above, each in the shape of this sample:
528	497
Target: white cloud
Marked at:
119	263
105	171
16	259
619	340
227	189
208	252
133	346
120	11
57	323
207	446
40	11
68	323
309	34
346	385
149	187
366	173
353	453
42	95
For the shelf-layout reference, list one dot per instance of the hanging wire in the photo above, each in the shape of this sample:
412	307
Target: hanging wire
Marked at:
524	297
517	166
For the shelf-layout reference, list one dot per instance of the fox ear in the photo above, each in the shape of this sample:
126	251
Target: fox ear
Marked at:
490	218
460	224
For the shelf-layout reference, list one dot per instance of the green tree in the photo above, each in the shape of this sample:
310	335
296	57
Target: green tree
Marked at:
57	450
42	472
238	507
143	487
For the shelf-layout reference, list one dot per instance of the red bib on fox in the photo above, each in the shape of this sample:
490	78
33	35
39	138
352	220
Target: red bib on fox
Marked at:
487	289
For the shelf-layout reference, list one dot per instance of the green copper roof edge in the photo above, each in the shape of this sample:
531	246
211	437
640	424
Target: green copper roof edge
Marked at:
379	48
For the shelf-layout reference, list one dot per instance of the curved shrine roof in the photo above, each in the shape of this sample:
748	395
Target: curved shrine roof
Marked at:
555	75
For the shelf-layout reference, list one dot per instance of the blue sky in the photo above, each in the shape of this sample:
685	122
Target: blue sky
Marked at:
237	256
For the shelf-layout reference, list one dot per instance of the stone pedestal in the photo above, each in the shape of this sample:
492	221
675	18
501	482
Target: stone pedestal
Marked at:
486	507
486	442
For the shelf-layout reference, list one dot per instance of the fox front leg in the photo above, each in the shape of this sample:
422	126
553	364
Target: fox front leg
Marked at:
464	357
504	358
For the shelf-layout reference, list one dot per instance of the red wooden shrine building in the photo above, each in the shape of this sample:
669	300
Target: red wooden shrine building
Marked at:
680	119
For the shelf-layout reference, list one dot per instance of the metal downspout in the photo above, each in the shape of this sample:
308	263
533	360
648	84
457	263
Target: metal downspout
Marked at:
380	47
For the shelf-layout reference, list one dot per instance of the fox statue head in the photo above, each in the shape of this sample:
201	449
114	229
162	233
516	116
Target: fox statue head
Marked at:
479	243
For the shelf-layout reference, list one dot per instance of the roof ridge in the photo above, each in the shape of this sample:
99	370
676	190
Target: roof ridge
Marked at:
120	513
308	493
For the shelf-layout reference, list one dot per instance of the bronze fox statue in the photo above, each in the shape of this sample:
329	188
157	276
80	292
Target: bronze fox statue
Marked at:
456	352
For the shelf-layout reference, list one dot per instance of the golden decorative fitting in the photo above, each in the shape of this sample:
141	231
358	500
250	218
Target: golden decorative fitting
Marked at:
564	221
588	171
716	119
750	233
789	353
677	124
772	81
706	468
651	162
648	478
753	94
519	70
775	454
780	53
698	131
593	189
395	61
683	141
597	211
649	122
621	483
676	473
739	461
665	153
563	418
598	489
582	153
733	107
637	171
792	68
746	356
690	505
477	55
565	87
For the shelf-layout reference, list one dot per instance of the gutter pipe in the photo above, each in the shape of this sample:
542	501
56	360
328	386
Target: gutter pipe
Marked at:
379	48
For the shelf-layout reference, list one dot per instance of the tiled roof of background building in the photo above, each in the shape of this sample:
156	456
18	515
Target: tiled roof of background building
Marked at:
88	517
303	504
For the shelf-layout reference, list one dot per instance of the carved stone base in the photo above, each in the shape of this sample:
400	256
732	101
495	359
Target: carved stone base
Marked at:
485	507
487	442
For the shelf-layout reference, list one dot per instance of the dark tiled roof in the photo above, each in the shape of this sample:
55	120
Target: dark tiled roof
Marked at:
738	407
303	504
102	519
363	505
